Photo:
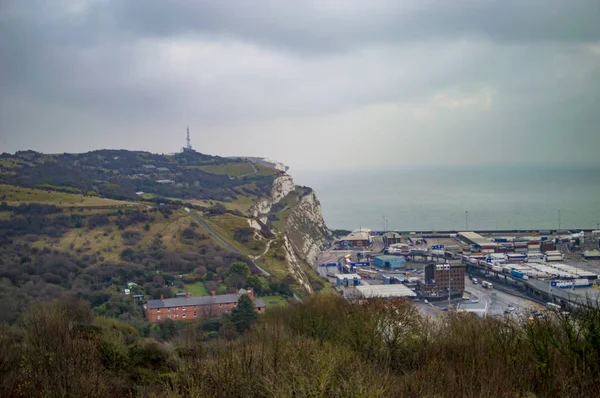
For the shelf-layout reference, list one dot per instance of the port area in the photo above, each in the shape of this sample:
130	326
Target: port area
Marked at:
488	273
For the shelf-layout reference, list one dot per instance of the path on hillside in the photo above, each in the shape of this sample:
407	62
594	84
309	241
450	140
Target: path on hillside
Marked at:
224	242
265	252
249	174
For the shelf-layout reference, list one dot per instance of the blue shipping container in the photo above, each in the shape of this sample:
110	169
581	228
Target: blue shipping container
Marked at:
517	274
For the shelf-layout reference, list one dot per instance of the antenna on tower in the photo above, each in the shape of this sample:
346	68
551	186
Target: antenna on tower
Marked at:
189	141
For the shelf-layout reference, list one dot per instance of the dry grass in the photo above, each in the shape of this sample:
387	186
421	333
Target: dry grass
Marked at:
108	241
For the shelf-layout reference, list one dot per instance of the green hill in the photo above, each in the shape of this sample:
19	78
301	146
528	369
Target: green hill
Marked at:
92	225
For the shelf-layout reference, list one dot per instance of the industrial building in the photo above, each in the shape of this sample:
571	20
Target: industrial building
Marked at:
441	277
391	262
347	280
477	241
391	238
358	238
385	291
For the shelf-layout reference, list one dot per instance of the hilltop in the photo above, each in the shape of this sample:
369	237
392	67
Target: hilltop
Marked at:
94	224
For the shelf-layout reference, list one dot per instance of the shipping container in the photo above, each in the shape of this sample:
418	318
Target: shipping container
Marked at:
518	274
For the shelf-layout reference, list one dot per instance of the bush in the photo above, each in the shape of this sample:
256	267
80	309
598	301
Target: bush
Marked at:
243	234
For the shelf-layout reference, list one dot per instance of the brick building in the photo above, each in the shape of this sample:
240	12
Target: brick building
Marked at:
440	277
195	308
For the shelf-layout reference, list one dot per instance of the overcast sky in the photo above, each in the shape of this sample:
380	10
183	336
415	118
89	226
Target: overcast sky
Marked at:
314	84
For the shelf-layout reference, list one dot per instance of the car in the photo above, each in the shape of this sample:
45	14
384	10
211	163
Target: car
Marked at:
474	300
511	308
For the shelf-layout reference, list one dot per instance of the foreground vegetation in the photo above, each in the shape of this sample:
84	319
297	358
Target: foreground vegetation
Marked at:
324	347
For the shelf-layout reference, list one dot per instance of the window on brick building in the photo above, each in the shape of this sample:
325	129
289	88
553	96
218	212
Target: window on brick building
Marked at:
194	314
158	318
158	310
183	315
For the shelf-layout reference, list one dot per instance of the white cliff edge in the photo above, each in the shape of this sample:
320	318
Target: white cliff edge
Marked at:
304	234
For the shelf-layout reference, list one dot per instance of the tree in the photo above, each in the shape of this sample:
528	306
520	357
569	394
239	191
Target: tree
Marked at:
243	315
240	268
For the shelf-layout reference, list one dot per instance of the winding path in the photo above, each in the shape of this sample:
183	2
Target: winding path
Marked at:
224	242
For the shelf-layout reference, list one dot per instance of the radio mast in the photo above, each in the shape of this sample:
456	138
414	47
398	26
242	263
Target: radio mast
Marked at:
188	140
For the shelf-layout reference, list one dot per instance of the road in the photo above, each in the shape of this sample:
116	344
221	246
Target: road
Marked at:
224	242
498	301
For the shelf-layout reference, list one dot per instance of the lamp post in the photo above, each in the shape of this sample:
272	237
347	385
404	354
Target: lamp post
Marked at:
449	284
558	220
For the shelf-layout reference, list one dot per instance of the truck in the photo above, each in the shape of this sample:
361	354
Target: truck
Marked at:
475	281
486	284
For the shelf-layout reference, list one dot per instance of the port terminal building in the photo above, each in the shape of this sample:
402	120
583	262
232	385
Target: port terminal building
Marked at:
478	242
391	262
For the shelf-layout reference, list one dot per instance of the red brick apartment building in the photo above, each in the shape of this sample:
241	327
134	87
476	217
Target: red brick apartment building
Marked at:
195	308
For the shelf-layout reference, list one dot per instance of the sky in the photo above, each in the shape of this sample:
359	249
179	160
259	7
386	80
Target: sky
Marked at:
351	84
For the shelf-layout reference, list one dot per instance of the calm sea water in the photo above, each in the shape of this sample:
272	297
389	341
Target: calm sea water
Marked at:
436	199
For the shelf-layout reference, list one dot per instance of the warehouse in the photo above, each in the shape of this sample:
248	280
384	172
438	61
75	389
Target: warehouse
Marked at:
385	291
391	262
347	280
358	238
477	240
391	238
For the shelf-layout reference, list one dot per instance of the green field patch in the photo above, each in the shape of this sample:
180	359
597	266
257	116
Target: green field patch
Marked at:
265	171
233	169
195	289
274	301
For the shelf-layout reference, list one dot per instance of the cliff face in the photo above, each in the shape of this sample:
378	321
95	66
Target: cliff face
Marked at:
300	225
305	227
282	186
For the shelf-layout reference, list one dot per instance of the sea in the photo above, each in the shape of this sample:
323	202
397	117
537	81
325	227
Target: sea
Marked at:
458	198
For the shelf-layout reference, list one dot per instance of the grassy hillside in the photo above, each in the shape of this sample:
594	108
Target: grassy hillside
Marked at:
50	251
92	225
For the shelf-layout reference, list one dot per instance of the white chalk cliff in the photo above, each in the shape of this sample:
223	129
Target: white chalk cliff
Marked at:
304	232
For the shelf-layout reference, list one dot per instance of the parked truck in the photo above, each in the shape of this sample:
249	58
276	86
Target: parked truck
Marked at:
486	284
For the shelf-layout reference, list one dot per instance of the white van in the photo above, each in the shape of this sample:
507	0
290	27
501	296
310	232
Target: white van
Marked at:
475	281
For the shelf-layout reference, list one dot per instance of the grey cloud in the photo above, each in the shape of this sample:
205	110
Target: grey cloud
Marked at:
269	78
342	25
